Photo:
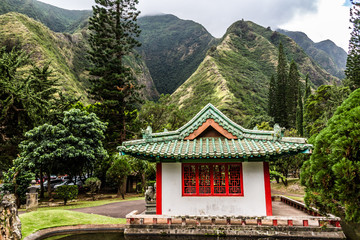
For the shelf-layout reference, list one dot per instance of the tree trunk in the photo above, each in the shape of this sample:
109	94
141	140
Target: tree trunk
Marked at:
41	183
49	184
143	182
277	179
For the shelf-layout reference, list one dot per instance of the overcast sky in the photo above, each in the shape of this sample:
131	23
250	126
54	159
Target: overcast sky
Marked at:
319	19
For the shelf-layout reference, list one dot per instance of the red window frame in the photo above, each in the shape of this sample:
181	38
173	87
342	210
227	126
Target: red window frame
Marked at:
219	185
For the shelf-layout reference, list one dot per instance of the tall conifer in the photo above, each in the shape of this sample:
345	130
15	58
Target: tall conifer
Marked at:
114	33
281	116
352	71
292	94
272	97
307	88
300	114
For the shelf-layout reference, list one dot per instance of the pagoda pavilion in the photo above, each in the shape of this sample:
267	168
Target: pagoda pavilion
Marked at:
213	166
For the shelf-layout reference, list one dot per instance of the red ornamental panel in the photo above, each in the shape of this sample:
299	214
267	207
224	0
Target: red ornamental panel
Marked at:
234	179
204	180
213	179
189	179
219	179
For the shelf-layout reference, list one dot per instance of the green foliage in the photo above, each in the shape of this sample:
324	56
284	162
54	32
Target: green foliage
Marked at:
17	180
118	172
300	115
161	115
94	185
172	49
332	174
292	94
353	61
67	192
113	84
68	147
272	96
320	106
281	113
139	168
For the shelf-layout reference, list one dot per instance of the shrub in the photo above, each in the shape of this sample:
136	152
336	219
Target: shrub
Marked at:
93	184
67	192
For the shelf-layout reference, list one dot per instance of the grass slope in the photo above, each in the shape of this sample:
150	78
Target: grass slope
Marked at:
57	19
172	49
65	51
37	220
329	56
235	75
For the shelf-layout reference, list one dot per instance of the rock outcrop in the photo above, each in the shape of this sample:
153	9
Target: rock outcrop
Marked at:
10	225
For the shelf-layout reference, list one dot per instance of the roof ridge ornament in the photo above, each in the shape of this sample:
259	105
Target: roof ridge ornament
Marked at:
147	133
278	132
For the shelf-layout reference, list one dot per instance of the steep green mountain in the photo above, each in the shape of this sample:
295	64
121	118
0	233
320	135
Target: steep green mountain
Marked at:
172	49
329	56
57	19
234	76
67	53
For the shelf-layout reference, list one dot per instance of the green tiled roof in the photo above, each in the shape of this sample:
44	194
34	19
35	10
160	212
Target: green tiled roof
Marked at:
250	145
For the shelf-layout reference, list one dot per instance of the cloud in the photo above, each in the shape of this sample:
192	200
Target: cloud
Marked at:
331	21
71	4
217	16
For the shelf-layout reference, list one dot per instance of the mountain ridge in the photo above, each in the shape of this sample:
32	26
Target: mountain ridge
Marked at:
235	75
326	53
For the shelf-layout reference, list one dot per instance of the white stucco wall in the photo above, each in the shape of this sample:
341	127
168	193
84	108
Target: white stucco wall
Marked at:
251	204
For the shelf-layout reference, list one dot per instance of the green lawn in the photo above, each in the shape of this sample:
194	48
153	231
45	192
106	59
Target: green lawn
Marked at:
37	220
82	204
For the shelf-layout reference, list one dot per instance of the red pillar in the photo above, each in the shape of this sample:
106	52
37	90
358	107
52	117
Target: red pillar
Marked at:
158	189
267	189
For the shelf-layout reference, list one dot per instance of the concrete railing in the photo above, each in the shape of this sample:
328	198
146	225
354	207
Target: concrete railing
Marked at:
135	219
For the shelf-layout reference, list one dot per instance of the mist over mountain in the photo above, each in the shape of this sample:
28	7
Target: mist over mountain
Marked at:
329	56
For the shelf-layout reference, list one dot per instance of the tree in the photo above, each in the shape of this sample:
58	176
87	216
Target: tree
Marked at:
94	184
292	94
352	71
300	115
139	168
332	175
68	147
281	115
27	99
113	36
307	92
160	115
320	107
67	192
17	180
272	97
118	172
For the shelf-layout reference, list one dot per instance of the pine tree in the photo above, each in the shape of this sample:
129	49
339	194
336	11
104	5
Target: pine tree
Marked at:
272	97
113	36
281	116
307	88
292	94
352	71
300	114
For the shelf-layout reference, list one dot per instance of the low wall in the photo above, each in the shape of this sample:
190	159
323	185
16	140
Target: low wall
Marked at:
10	225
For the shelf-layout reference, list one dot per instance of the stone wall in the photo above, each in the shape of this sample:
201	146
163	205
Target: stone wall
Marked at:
10	225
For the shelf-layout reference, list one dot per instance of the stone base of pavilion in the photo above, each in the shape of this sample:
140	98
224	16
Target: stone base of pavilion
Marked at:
292	219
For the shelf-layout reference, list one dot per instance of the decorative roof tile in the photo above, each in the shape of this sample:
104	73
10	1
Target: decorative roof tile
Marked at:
248	144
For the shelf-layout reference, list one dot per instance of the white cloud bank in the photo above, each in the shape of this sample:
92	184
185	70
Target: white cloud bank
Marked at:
319	19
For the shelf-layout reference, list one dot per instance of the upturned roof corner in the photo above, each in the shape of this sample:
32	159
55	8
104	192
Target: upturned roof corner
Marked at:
211	134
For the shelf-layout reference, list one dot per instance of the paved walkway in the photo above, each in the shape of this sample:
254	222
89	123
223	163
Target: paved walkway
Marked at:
120	209
116	210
